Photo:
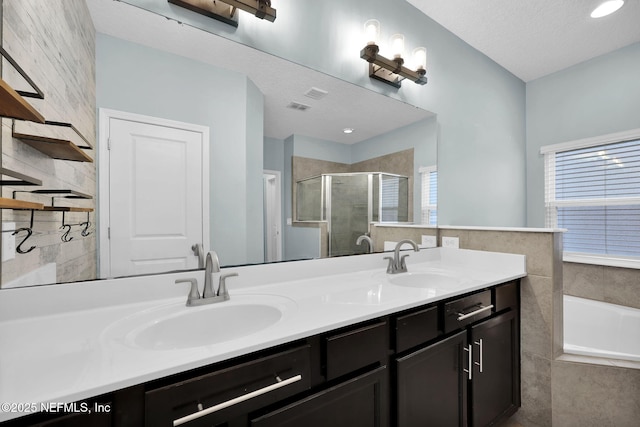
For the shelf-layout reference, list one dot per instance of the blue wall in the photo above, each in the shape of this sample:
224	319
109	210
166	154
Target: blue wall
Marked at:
480	105
596	97
137	79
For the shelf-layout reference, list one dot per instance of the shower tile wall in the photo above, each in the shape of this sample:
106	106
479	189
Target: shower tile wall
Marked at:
54	42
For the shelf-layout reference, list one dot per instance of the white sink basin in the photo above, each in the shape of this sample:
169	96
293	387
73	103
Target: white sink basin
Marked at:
425	280
175	326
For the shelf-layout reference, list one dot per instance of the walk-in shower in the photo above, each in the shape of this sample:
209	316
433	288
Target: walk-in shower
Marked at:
349	202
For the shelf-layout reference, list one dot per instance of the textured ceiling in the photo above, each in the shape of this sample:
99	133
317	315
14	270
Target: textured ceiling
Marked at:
279	80
533	38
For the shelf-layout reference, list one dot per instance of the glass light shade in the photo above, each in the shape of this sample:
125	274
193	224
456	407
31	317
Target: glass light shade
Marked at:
372	31
607	8
420	58
397	45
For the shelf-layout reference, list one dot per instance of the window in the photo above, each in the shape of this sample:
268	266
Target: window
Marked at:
429	196
592	189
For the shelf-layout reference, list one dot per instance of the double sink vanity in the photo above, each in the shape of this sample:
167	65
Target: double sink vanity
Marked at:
337	341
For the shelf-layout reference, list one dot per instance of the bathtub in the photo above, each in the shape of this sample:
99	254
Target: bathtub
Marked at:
594	328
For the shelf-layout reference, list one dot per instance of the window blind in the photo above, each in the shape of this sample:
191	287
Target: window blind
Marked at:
594	192
390	198
429	195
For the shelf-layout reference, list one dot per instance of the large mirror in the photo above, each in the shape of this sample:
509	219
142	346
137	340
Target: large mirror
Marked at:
272	124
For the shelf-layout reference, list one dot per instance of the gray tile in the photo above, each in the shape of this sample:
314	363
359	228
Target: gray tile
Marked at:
586	395
584	280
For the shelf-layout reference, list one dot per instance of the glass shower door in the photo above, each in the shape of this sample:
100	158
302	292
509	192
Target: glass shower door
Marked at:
348	213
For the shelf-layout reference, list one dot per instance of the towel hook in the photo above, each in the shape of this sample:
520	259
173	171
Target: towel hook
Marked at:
19	247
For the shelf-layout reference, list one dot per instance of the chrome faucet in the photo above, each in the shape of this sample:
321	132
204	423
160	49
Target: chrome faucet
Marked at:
397	264
209	296
366	238
212	265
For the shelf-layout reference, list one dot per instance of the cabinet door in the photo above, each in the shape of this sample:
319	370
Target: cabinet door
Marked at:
496	358
361	401
431	384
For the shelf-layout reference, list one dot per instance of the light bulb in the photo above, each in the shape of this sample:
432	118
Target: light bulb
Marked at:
420	58
397	45
372	31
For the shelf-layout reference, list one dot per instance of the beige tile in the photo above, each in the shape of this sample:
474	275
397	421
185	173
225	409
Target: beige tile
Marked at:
536	391
558	323
584	280
622	286
595	396
538	247
536	315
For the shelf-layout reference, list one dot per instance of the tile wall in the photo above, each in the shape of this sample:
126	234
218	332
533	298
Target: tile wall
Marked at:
54	42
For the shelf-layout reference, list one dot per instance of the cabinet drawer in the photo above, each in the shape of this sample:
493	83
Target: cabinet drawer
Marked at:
416	328
463	311
355	349
230	392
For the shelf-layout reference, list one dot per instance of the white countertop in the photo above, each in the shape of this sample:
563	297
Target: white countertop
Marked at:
63	343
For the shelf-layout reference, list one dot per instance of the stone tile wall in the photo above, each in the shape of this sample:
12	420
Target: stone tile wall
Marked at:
598	282
54	42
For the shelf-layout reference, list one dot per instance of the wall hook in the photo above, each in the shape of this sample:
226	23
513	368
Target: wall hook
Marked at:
65	237
85	231
19	247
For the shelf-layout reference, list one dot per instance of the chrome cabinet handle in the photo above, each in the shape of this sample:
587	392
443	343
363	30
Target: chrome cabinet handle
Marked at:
469	350
462	316
479	364
236	400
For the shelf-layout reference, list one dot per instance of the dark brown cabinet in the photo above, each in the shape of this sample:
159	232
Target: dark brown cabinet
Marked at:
470	376
431	387
360	401
495	391
453	362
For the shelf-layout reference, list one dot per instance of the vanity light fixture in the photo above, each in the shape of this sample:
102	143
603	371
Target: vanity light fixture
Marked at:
607	8
392	71
225	11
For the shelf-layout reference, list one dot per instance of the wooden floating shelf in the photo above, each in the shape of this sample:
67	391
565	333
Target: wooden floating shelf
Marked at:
67	194
13	105
56	148
18	178
66	209
19	204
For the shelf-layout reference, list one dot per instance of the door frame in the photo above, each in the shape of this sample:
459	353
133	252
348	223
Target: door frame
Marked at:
278	210
104	179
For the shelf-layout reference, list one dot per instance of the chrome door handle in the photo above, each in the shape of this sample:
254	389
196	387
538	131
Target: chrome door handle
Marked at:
462	316
236	400
469	350
479	364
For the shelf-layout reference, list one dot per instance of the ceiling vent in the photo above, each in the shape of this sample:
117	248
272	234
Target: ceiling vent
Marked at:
298	106
316	93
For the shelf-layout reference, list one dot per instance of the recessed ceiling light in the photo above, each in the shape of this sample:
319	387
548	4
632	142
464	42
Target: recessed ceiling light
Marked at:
607	8
348	130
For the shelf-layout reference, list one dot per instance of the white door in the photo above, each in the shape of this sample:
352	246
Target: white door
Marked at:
272	216
158	203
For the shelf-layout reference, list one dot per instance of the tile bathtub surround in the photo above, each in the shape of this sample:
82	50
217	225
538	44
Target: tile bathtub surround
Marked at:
602	283
587	395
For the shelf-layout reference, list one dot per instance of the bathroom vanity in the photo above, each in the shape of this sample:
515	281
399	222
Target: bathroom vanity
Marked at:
438	345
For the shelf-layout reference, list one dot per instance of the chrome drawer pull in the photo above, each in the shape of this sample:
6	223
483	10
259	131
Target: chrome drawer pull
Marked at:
236	400
462	316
